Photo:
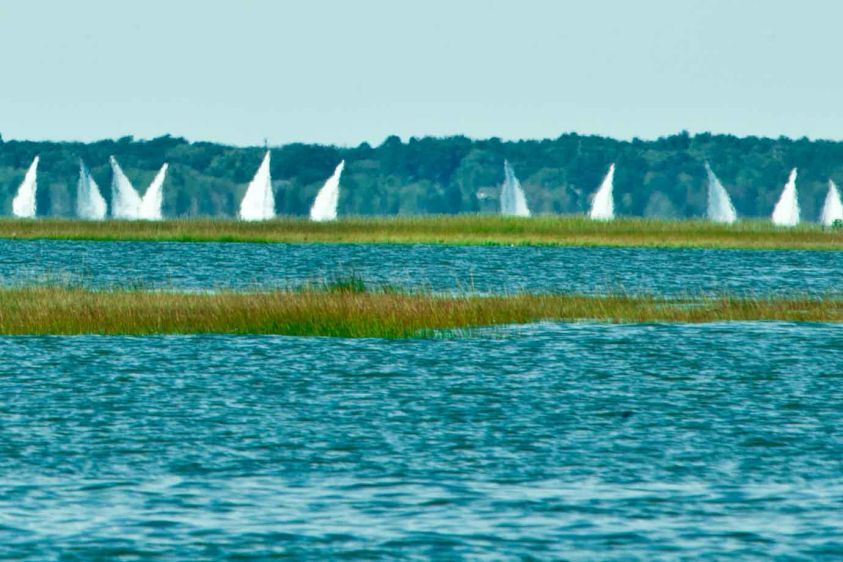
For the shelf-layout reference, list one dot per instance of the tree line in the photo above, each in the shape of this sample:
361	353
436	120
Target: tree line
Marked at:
655	178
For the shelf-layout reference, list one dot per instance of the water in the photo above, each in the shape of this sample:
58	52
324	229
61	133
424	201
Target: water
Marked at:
23	205
603	205
546	441
513	200
325	205
549	441
259	201
832	208
90	204
720	207
786	212
441	268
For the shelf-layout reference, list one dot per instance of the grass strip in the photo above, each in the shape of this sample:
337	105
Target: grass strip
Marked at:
346	312
444	229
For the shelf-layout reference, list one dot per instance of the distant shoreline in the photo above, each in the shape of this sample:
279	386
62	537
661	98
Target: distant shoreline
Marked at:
546	230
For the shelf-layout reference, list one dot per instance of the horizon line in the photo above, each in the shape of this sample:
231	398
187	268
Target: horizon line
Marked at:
406	139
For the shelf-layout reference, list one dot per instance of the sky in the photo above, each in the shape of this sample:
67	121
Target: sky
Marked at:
345	72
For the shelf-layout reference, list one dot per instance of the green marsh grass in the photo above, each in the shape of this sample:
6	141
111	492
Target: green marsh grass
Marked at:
445	229
350	311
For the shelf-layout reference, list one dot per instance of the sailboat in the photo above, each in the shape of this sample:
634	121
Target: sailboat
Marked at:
23	205
833	208
513	200
603	204
720	207
90	204
153	199
126	203
325	205
786	212
259	202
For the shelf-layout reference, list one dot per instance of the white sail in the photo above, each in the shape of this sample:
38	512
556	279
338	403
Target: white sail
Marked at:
786	212
513	200
603	204
325	205
23	205
90	204
150	207
125	201
720	207
259	202
833	208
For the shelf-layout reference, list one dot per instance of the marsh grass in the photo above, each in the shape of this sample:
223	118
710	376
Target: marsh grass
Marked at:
356	312
445	229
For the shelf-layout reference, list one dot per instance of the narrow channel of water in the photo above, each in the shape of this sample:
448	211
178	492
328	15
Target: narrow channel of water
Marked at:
477	268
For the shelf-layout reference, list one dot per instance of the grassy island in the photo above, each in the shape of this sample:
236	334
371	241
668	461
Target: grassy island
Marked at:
444	229
350	311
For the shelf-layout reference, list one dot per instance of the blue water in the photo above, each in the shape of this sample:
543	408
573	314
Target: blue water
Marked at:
440	268
549	441
583	442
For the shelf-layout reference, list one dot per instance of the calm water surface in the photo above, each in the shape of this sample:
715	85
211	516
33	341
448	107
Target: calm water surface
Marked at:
548	441
441	268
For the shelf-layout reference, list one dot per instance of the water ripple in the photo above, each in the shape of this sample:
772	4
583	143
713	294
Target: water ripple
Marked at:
567	441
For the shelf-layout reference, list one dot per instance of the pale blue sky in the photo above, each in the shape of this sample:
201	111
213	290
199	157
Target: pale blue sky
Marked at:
344	72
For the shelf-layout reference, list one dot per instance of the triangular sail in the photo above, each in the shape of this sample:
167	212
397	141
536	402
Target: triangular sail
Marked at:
833	208
603	204
786	212
23	205
150	207
720	207
513	200
259	202
325	205
125	201
90	204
